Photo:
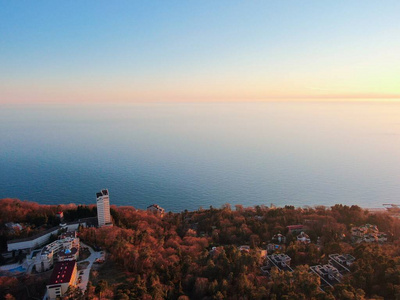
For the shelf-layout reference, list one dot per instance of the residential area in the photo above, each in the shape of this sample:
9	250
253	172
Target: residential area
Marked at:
226	253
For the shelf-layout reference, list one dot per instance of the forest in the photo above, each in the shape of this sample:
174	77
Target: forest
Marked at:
196	255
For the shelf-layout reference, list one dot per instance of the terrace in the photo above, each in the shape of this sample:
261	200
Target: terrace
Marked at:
281	261
341	261
329	274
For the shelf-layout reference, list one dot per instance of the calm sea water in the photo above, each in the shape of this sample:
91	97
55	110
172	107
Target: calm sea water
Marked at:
186	156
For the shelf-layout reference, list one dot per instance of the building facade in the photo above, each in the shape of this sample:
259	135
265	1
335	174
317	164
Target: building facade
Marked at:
328	274
42	238
50	253
303	238
64	275
103	208
156	209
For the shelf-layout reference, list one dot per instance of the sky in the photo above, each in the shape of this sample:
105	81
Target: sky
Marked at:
128	51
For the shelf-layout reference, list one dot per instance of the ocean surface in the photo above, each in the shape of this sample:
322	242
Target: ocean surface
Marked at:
192	155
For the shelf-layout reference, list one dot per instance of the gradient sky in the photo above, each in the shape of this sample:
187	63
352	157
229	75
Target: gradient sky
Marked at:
126	51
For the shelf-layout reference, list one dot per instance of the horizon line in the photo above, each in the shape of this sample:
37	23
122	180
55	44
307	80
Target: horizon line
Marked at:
314	98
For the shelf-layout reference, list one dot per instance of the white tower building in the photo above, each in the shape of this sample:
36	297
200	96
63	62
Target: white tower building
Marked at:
103	208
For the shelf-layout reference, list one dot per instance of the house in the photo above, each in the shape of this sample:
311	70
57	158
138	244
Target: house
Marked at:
303	238
382	237
341	261
360	231
370	238
295	228
60	215
281	261
368	233
64	275
213	251
364	229
275	247
328	274
371	228
244	248
14	227
156	209
279	238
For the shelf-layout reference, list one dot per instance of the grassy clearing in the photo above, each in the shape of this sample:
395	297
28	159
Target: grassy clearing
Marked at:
108	271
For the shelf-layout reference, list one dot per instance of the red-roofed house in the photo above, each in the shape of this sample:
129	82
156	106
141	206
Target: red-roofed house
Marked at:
64	275
295	228
60	215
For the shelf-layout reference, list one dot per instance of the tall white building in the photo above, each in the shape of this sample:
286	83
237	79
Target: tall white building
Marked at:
103	208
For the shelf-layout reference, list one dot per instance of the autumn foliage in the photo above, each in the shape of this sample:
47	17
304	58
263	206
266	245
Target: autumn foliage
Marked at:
195	255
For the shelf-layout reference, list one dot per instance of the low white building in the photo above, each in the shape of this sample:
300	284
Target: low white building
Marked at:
244	248
303	238
14	227
46	258
156	209
367	233
328	274
341	261
382	237
279	238
281	261
42	238
33	241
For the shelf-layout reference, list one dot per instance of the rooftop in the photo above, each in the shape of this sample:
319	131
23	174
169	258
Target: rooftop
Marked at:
102	193
68	252
291	227
92	221
62	272
244	248
343	258
33	236
342	262
329	274
155	206
281	261
71	234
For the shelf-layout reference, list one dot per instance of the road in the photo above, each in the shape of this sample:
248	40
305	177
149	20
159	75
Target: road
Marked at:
86	272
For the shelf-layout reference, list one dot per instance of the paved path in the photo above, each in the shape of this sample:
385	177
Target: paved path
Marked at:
86	272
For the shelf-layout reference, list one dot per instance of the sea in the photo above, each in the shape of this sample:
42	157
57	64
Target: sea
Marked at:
196	155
